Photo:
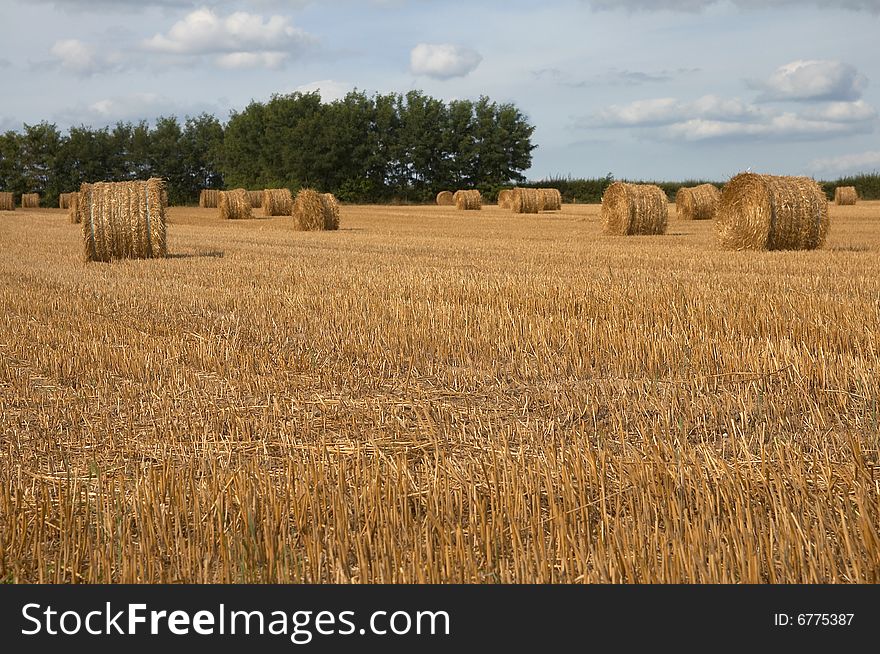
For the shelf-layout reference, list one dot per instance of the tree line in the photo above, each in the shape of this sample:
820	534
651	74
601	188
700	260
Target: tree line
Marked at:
363	148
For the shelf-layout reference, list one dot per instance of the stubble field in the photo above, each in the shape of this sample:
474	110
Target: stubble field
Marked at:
439	396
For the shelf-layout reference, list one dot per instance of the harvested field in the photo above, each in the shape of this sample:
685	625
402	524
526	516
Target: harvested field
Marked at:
421	398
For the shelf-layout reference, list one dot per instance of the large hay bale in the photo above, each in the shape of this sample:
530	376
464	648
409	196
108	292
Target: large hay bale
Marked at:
256	199
468	200
72	203
846	195
634	209
505	197
30	201
331	205
235	205
765	212
697	202
313	211
549	199
209	198
277	202
525	200
445	199
123	220
7	201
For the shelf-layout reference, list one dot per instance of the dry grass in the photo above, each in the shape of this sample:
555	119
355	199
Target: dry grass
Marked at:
764	212
424	399
30	201
697	202
505	197
313	211
549	199
445	199
846	195
277	202
209	198
7	201
331	211
525	200
469	200
123	220
235	205
634	210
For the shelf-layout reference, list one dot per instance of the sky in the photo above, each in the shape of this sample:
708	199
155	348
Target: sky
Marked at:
661	90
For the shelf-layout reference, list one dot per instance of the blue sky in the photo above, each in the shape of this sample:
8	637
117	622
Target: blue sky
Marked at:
671	89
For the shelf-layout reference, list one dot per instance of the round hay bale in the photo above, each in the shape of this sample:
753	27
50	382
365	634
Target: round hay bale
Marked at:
256	199
209	198
235	205
549	199
697	202
277	202
634	209
504	198
72	202
123	220
468	200
30	201
846	195
765	212
7	201
525	200
331	211
313	211
445	199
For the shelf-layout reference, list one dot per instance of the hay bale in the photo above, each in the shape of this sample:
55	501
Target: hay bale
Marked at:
256	199
504	198
277	202
7	201
846	195
445	198
525	200
765	212
209	198
72	203
123	220
64	200
331	205
313	211
549	199
30	201
634	209
697	202
468	200
235	205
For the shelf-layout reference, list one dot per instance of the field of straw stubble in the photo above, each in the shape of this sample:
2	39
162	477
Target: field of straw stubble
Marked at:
427	396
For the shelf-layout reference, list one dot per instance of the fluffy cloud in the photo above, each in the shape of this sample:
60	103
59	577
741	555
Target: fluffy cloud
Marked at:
698	5
666	111
239	40
812	80
79	58
329	89
131	107
443	61
847	163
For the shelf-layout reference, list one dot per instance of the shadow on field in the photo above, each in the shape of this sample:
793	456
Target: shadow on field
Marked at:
214	254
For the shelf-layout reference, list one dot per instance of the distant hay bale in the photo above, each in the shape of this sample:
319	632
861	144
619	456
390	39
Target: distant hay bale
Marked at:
123	220
72	203
549	199
209	198
468	200
525	200
30	201
235	205
331	205
256	199
505	197
313	211
64	200
277	202
765	212
7	201
634	209
697	202
846	195
445	199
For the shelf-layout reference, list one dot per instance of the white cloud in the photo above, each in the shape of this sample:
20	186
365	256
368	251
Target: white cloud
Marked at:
239	40
443	60
812	80
666	111
788	126
848	163
131	107
698	5
75	56
330	89
842	112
